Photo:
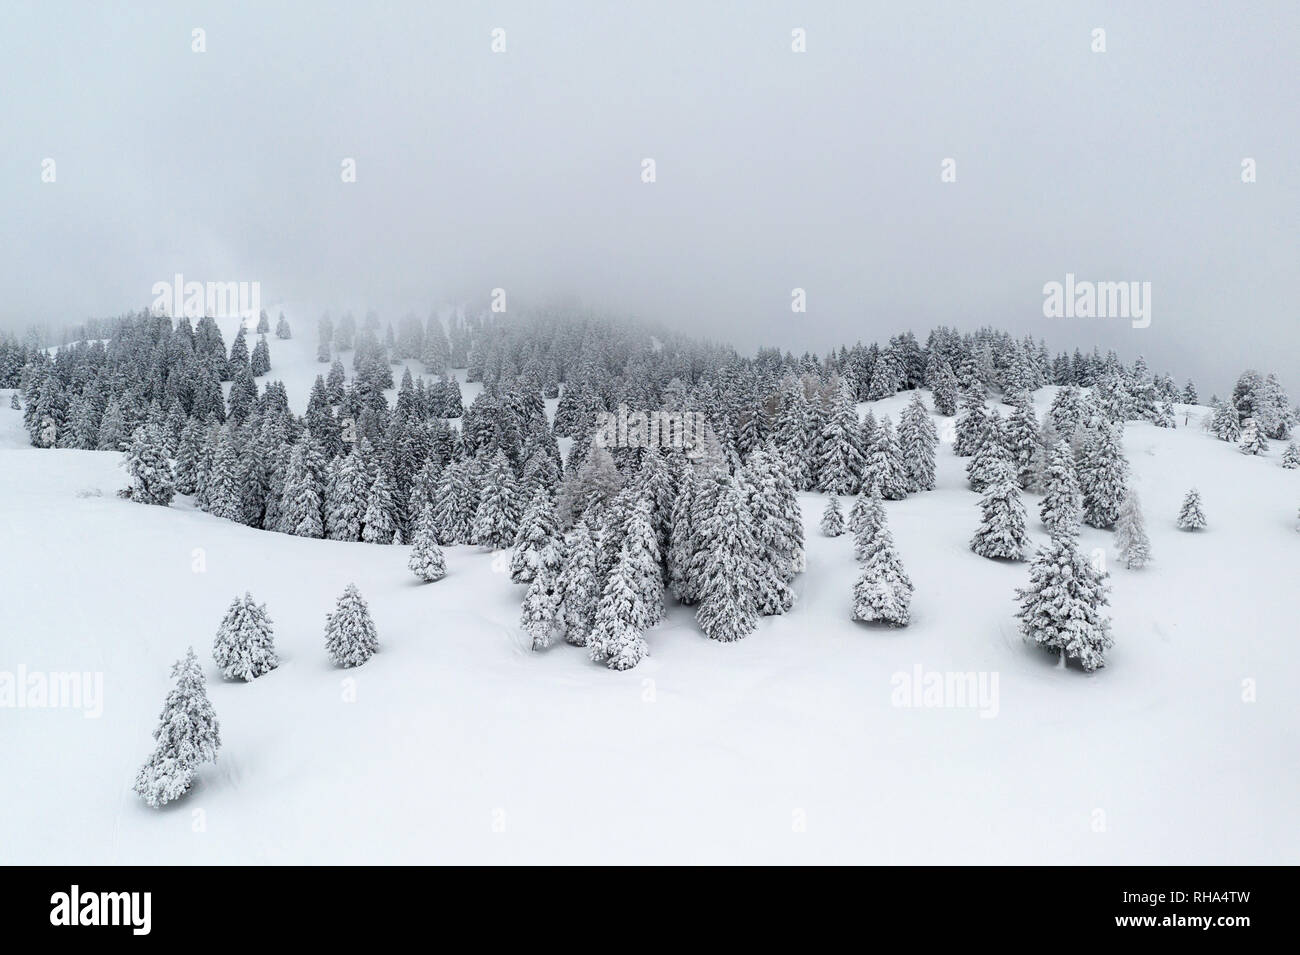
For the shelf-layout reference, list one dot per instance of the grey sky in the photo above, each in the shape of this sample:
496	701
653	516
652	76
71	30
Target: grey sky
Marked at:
818	170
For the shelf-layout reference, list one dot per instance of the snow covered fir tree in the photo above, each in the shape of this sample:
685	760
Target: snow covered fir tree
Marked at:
1190	515
832	523
1061	609
245	646
883	592
350	638
1001	532
426	561
188	735
1131	540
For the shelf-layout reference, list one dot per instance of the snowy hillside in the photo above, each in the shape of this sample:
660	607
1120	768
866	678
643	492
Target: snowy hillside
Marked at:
457	743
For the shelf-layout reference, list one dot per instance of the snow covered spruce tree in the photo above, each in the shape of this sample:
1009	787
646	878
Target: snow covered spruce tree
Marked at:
918	440
1225	423
426	560
1253	439
885	471
245	646
1001	533
641	544
832	524
682	538
839	459
347	491
350	638
632	599
945	392
779	533
222	495
149	470
970	424
870	521
1061	609
1291	456
455	503
300	504
380	520
858	511
884	591
1061	507
1022	439
496	522
187	456
1190	516
580	586
1103	474
187	736
728	590
989	453
540	615
537	528
1131	539
1066	413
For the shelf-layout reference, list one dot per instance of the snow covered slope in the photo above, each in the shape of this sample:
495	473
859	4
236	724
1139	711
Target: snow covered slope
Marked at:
464	746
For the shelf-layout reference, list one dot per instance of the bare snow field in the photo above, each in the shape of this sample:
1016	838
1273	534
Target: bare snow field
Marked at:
458	744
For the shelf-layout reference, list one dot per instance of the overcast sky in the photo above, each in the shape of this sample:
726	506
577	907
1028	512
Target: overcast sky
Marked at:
774	169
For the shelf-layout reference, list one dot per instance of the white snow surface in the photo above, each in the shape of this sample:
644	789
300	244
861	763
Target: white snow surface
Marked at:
463	746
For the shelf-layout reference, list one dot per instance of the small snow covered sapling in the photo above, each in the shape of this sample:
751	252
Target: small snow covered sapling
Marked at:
245	647
832	518
1190	517
350	637
1291	456
188	735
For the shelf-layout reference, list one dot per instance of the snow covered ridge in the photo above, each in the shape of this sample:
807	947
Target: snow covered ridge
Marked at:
1050	520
